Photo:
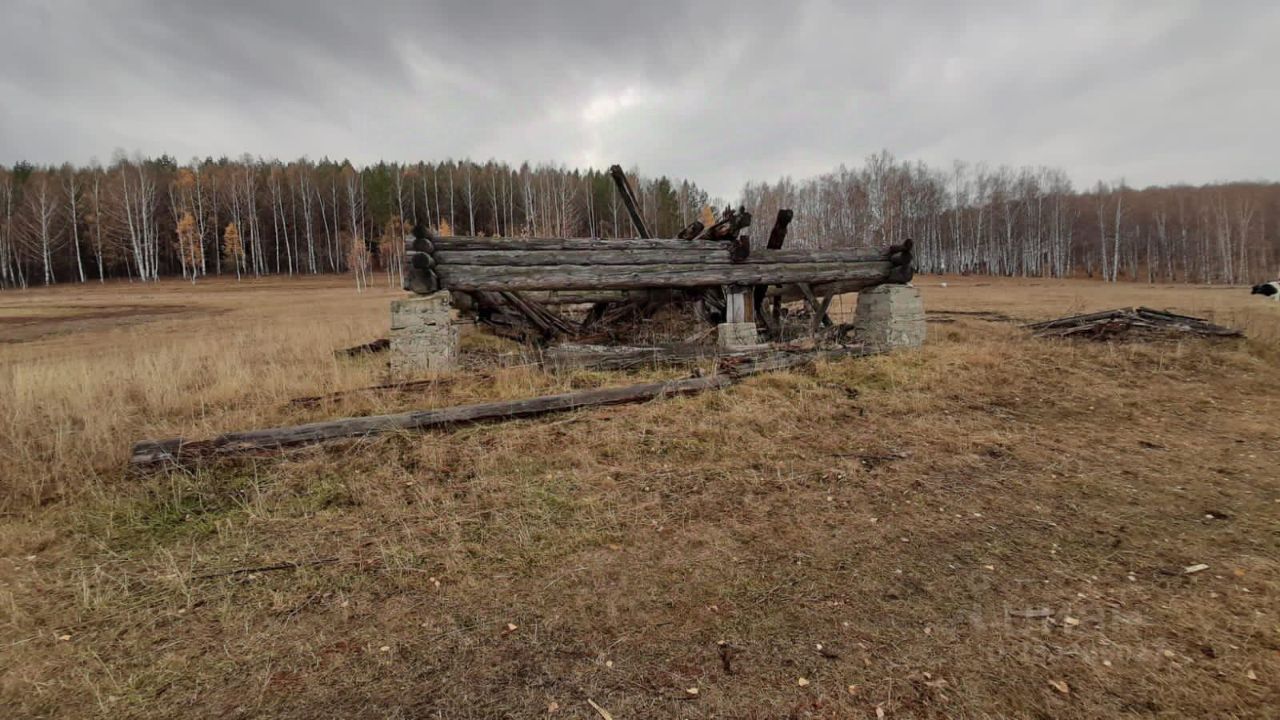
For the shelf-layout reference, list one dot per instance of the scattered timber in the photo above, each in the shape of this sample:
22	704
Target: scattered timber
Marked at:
1131	323
179	450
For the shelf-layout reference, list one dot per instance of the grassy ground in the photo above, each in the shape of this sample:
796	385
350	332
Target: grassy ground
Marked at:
904	513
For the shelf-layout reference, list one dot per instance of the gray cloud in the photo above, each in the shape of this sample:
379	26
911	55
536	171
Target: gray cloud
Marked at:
720	92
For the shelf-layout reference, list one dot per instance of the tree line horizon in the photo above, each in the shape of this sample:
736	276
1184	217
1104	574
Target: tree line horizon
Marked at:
144	218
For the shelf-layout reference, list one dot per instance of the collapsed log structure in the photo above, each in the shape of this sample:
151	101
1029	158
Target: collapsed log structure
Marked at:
509	284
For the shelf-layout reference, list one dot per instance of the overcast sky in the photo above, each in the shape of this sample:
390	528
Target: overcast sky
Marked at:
719	92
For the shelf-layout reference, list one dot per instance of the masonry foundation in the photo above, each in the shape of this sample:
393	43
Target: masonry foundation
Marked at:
890	317
423	335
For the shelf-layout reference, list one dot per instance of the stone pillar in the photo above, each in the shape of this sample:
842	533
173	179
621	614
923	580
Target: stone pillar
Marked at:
890	317
739	327
423	335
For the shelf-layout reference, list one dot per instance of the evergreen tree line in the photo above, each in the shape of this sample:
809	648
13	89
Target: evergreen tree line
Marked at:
143	218
1031	222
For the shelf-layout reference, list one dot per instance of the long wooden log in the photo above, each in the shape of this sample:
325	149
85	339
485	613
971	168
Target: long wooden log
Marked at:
641	256
178	450
855	274
150	452
791	293
576	297
560	243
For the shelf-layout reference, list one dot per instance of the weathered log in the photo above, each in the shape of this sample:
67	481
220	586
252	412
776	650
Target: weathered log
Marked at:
176	450
731	223
560	243
179	451
576	297
550	323
792	292
778	234
691	230
688	255
855	274
629	200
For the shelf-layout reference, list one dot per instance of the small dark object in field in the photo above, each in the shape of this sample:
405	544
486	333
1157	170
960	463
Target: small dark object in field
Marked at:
727	651
373	346
1140	323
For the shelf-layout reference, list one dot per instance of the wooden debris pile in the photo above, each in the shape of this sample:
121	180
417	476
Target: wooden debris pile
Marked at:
1138	323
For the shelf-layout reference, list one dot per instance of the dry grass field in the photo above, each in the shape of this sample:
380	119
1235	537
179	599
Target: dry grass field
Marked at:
879	536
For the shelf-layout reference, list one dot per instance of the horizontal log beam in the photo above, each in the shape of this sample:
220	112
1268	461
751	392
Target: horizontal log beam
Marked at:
695	255
577	297
666	275
529	243
793	292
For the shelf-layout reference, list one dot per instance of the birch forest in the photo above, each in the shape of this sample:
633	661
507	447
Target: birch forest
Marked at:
144	218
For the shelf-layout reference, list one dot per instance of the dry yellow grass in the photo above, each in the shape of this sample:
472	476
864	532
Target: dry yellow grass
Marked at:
893	510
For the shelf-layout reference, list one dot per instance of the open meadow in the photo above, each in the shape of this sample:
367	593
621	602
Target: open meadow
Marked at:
992	526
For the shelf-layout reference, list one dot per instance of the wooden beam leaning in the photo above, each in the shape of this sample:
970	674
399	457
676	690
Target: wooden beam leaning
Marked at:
777	236
629	200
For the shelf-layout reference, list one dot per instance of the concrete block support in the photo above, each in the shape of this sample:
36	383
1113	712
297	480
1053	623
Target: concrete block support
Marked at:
737	335
423	335
890	317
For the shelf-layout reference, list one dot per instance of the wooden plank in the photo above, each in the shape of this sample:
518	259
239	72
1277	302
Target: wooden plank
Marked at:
735	304
854	275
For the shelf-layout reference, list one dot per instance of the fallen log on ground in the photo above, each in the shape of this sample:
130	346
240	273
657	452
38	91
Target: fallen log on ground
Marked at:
178	451
1131	323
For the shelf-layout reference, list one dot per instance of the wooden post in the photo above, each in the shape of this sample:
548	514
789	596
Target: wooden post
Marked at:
739	327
